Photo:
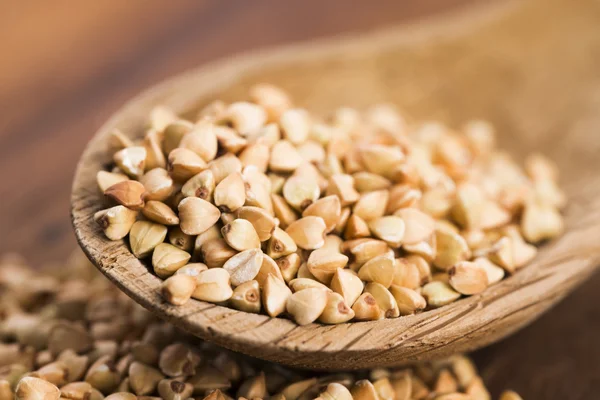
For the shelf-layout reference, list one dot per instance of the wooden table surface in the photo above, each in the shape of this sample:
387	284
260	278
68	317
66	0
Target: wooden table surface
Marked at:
67	66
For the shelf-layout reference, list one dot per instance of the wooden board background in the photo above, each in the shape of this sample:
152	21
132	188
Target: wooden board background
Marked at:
66	66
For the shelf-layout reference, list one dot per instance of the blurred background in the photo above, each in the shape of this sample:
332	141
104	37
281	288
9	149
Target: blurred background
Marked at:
68	65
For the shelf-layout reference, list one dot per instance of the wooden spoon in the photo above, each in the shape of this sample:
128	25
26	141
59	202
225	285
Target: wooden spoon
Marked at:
531	68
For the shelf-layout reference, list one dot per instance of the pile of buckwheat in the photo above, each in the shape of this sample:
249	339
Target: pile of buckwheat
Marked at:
67	333
359	216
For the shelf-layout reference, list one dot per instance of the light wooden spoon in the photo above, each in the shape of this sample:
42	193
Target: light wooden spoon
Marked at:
529	67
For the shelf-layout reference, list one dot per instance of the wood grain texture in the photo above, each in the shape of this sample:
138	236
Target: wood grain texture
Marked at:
68	65
454	75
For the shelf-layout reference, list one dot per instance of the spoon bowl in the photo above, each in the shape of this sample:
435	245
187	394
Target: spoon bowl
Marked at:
534	85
